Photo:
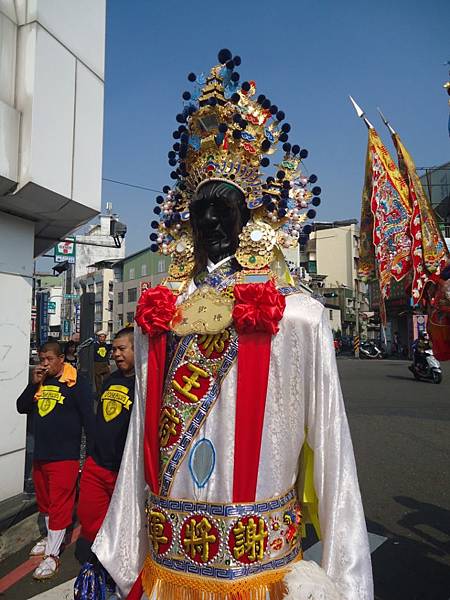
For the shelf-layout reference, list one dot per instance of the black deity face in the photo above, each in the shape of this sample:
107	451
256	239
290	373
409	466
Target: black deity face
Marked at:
218	213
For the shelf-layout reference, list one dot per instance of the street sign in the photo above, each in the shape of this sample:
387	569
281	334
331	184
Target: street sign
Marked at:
52	308
65	251
71	296
66	327
42	317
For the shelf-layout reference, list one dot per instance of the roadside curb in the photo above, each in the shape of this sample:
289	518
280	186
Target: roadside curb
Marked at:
18	536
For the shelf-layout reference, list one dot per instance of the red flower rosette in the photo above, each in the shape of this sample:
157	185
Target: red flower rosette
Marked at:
258	307
155	310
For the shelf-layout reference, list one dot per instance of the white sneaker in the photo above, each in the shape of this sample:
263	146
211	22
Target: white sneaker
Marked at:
47	568
39	548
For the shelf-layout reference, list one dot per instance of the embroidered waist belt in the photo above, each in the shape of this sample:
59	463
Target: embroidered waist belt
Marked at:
224	541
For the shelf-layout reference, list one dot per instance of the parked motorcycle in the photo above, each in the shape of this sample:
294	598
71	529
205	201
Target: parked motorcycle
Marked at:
429	368
370	349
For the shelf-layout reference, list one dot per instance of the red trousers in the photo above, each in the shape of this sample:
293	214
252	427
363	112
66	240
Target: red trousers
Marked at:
55	485
96	488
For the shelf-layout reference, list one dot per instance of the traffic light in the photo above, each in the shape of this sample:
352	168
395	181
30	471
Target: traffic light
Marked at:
61	267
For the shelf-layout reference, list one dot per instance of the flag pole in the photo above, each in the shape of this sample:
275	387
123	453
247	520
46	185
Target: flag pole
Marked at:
386	122
361	114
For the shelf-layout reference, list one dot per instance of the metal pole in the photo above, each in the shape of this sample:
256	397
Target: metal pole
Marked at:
356	307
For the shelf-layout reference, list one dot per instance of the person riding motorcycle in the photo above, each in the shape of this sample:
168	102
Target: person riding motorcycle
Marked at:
420	346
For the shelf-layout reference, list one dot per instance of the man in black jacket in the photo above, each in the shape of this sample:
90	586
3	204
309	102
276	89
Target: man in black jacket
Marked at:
111	427
61	406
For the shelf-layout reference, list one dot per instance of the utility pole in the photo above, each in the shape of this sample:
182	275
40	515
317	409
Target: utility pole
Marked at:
356	309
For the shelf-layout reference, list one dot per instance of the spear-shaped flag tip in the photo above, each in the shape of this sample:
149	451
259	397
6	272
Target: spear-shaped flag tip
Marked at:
386	122
361	113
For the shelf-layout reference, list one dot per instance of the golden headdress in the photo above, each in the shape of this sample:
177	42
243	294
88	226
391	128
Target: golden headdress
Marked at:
226	133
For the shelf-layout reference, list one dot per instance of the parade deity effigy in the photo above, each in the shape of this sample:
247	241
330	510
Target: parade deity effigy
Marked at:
238	434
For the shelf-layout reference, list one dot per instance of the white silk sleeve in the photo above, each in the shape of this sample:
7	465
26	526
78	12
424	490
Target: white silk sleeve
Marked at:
346	554
121	544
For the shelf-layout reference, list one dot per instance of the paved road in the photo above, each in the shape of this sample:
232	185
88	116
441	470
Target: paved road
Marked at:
401	435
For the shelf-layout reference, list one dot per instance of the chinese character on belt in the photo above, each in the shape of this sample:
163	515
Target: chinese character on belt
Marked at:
156	530
190	382
198	538
250	539
168	425
213	345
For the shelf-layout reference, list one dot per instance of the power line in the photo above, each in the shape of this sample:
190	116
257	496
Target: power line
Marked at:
133	185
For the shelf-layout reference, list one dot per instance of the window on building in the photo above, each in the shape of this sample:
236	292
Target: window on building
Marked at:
132	295
90	287
130	317
99	286
131	272
331	315
312	266
110	326
110	305
161	265
98	309
120	298
120	319
111	286
143	270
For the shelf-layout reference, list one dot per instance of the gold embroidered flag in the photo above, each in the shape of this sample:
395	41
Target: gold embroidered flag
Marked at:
385	247
429	252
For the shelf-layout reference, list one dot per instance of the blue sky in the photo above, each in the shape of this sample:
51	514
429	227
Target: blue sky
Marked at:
306	56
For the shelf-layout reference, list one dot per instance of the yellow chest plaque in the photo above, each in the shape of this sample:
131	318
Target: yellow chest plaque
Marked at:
50	397
206	311
114	399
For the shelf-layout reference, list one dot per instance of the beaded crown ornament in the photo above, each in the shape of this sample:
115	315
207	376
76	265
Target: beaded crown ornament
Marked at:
226	133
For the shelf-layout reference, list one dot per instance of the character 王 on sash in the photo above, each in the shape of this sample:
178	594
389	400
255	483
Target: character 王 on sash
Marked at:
239	433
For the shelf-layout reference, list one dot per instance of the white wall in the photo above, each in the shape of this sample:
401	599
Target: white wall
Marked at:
16	269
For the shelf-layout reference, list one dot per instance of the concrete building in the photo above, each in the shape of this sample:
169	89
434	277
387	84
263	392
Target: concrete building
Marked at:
92	247
51	130
132	276
331	257
99	280
436	183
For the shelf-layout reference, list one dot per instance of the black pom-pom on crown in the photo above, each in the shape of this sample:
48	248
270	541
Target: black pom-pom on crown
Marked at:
153	237
176	134
265	162
235	76
160	199
312	178
230	65
186	95
286	127
192	77
280	115
154	247
176	146
172	162
295	149
311	213
281	175
157	210
260	99
315	201
304	153
223	127
235	98
273	109
166	190
245	86
154	224
283	137
180	118
224	56
287	147
237	61
316	190
236	134
266	103
265	145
